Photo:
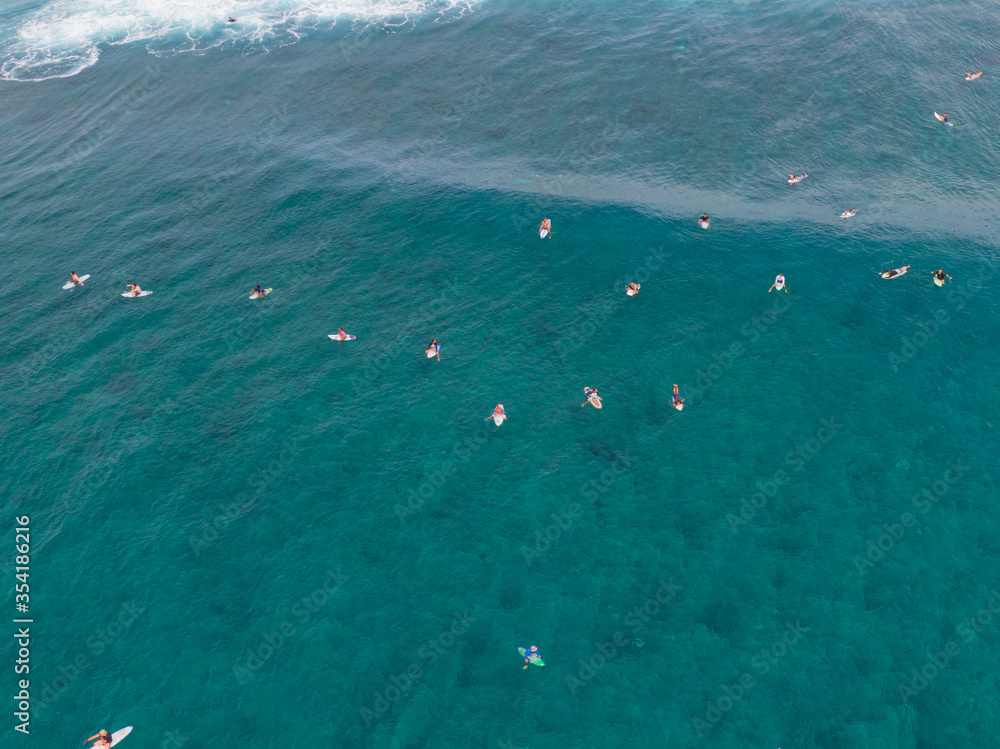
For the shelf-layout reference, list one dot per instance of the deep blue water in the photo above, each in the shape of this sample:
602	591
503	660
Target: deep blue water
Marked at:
246	534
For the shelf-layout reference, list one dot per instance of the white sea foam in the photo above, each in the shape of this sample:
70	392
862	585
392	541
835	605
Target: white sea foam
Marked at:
60	38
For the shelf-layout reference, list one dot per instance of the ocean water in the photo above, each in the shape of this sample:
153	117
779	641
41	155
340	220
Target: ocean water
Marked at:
246	534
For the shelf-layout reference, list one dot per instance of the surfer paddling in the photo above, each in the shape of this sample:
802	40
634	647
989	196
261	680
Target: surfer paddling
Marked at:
103	739
677	402
531	655
779	284
973	76
792	179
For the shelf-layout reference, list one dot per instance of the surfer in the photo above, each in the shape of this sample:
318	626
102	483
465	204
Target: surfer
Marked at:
546	226
532	654
705	218
779	284
632	289
942	117
103	739
75	278
134	288
940	275
848	213
792	179
342	333
973	76
895	272
231	20
592	395
435	347
678	402
258	291
498	411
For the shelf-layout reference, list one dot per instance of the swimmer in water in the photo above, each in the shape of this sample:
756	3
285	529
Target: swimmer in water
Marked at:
75	278
779	284
632	289
103	739
435	347
973	76
678	402
134	288
940	275
531	654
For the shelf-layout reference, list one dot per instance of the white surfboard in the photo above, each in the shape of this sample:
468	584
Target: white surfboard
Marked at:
120	734
848	214
703	224
498	418
132	294
71	284
594	400
337	337
679	406
896	272
633	292
432	352
255	295
543	233
939	281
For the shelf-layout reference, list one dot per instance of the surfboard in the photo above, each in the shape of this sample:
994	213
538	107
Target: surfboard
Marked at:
498	418
543	233
132	294
255	295
336	337
940	118
533	660
594	401
432	352
679	406
939	281
847	214
896	271
70	284
120	734
703	224
633	292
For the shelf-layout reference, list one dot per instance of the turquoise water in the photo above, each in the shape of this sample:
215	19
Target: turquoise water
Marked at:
244	533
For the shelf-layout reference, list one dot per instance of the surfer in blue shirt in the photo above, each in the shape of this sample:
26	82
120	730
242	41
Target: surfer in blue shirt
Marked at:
530	655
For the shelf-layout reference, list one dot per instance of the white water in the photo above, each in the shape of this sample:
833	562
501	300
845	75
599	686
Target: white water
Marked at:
63	37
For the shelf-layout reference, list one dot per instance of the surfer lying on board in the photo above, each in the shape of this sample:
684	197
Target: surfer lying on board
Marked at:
532	653
75	278
134	288
678	401
940	275
779	284
895	272
973	76
103	739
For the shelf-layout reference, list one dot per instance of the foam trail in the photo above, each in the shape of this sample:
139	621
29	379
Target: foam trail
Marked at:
63	37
